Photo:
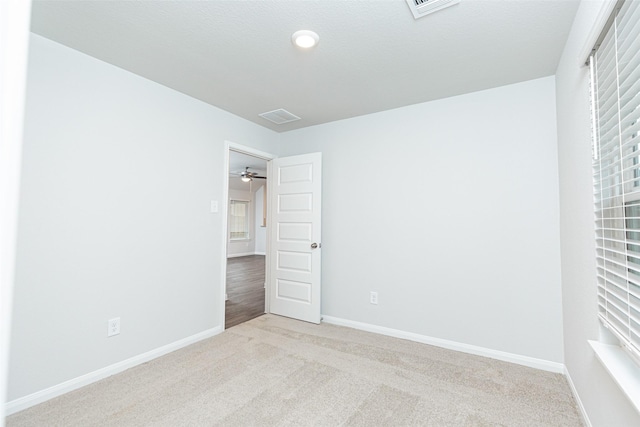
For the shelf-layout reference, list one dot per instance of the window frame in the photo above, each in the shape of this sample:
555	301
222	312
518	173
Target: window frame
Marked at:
247	222
616	160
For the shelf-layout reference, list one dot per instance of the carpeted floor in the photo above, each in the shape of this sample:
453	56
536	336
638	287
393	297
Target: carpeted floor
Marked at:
277	371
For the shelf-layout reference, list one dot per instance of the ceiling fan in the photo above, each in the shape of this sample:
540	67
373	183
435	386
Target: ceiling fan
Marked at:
247	176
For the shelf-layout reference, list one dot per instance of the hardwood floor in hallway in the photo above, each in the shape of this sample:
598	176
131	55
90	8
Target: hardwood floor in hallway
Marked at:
245	289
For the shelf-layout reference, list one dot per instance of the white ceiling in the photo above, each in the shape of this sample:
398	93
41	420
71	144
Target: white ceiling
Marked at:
372	55
237	164
239	161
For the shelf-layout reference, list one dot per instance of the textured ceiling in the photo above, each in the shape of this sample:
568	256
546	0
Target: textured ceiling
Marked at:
372	55
237	164
239	161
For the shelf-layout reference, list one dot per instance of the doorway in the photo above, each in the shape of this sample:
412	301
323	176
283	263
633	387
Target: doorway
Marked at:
245	289
246	238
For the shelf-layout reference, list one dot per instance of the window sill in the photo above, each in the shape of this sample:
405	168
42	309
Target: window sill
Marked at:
625	372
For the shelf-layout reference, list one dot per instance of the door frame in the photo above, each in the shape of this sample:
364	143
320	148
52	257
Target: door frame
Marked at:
224	209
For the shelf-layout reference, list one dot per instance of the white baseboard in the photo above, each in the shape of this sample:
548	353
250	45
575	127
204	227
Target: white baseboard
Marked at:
240	254
57	390
245	254
531	362
576	396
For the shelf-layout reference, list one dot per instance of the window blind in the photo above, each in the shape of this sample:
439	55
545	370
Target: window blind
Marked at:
238	220
615	68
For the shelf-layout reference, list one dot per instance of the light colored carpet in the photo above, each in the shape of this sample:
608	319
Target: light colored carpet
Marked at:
276	371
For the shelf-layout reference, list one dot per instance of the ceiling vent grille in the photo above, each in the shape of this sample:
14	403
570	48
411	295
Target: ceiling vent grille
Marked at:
421	8
279	116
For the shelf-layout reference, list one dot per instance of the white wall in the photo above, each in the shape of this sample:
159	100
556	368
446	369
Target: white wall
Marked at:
449	210
242	247
115	217
604	403
14	39
260	231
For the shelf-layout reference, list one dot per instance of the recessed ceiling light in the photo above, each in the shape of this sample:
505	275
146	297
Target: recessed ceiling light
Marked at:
305	39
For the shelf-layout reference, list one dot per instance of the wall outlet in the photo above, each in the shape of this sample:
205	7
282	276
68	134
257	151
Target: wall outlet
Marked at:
373	297
113	327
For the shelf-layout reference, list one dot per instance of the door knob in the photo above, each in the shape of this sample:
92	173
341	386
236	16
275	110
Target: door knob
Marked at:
314	245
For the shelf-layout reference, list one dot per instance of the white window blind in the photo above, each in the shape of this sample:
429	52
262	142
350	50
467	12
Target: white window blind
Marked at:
238	220
616	102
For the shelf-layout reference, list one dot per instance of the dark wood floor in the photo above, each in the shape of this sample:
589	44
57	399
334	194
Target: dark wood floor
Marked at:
245	289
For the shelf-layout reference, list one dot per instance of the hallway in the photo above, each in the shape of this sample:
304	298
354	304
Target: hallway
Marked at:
245	289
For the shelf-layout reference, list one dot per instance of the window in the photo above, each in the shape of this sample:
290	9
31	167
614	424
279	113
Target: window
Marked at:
615	76
239	220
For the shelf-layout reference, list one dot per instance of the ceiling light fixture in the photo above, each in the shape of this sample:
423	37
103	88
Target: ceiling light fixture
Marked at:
305	39
246	179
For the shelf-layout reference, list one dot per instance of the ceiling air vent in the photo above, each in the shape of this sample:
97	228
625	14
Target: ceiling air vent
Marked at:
421	8
279	116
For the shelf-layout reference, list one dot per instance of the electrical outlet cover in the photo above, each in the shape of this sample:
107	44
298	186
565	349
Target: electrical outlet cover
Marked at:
113	327
373	298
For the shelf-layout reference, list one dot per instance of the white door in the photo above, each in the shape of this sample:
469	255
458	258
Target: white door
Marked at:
295	255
